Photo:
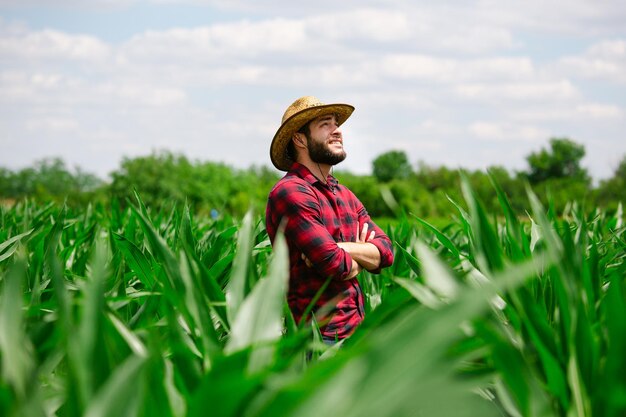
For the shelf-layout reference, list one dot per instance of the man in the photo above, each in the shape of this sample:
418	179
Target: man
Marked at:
330	235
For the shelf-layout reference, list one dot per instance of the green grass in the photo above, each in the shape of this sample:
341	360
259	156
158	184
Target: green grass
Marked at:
129	312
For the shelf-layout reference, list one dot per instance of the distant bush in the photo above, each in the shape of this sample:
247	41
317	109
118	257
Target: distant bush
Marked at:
164	179
50	180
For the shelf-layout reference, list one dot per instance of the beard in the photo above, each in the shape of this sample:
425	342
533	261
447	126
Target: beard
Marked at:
320	153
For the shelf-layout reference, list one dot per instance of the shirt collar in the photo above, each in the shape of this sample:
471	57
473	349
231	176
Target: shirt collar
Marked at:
305	173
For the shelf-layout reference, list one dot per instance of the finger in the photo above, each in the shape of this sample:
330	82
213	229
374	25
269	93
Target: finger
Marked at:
363	236
371	236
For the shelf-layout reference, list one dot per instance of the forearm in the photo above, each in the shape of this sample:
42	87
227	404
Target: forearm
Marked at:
364	254
356	269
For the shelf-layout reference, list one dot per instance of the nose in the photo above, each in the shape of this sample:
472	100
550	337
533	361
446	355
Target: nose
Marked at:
337	130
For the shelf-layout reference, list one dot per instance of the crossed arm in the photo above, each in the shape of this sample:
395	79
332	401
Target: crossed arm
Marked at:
364	255
296	203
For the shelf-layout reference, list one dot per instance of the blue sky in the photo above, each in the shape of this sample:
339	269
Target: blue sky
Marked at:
464	84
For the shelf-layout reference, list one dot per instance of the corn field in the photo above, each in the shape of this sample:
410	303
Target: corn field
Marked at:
127	312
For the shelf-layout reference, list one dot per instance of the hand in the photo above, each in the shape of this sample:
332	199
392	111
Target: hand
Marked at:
364	253
362	237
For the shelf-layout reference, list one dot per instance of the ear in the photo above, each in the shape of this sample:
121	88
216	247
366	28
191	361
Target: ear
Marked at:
299	140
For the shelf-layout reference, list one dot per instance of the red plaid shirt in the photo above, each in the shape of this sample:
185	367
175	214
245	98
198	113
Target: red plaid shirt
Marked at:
316	217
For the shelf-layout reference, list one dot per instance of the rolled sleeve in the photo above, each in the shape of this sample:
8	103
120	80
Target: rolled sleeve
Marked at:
380	240
383	244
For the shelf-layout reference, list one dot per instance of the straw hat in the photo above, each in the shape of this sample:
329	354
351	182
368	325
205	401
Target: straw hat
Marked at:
302	111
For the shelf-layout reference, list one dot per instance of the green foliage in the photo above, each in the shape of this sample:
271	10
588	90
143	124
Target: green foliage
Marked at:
50	180
612	191
562	160
138	312
159	177
368	190
165	178
391	165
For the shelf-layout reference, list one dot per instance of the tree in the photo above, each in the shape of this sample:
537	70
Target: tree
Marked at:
158	178
163	178
368	191
436	177
613	190
620	171
562	160
49	179
6	178
391	165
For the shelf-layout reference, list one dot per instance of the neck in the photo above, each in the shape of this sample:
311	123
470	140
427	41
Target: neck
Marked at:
320	171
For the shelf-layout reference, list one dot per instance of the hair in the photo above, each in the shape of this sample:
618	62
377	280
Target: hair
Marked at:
291	149
306	129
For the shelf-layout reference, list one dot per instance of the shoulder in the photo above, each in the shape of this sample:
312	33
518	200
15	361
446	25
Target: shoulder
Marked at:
346	193
345	190
290	186
293	195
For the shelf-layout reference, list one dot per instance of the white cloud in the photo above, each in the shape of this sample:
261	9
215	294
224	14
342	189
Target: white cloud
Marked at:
477	39
580	18
605	60
52	124
441	81
600	111
81	4
54	90
523	91
138	94
362	24
609	49
278	40
418	67
456	70
36	88
506	132
52	44
242	39
587	112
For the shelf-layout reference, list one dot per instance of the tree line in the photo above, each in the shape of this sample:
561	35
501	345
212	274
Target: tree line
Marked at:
394	186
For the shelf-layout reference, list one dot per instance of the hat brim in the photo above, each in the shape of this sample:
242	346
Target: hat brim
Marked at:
278	148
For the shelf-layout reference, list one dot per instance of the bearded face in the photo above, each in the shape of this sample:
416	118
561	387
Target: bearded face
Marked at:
324	140
325	151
